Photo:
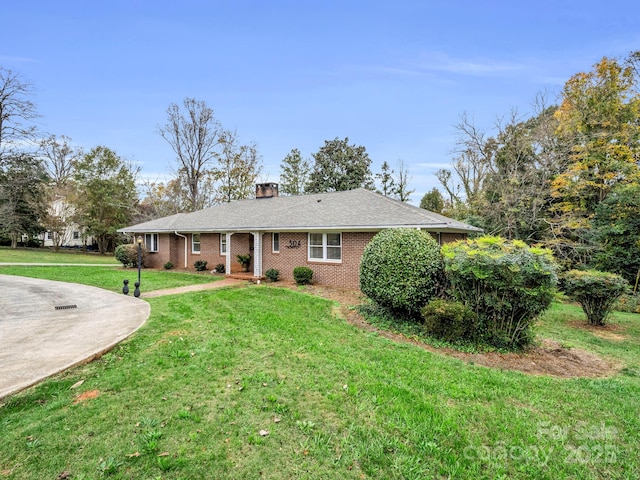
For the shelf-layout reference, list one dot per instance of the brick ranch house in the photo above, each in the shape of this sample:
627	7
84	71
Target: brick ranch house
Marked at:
326	232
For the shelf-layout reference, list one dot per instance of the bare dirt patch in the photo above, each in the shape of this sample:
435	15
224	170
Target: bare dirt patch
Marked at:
548	358
88	395
603	331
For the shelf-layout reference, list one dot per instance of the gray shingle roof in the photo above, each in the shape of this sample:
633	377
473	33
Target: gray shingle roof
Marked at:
351	210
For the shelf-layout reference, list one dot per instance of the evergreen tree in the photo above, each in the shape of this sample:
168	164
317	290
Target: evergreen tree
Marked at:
339	166
294	173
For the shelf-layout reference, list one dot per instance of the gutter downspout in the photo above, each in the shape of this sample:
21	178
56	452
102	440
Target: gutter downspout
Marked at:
185	247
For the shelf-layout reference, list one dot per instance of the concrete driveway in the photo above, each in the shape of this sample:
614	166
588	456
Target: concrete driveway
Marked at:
47	327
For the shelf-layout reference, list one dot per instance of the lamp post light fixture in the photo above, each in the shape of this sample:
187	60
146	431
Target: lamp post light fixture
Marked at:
139	240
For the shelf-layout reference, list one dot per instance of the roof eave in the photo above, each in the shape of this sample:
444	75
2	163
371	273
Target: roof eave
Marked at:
438	227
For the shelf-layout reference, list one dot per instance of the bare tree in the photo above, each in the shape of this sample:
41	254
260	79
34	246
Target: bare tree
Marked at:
401	183
60	157
475	159
195	136
238	168
16	113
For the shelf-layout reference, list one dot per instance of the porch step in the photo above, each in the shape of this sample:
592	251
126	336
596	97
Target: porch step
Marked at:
244	276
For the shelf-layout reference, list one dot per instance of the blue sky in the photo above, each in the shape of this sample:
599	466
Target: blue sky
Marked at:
394	76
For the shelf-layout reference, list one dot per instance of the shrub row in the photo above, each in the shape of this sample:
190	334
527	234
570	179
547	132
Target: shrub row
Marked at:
498	287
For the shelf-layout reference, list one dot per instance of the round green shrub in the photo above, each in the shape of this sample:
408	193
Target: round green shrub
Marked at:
220	268
200	265
127	254
302	275
449	320
595	291
168	265
401	269
272	274
507	284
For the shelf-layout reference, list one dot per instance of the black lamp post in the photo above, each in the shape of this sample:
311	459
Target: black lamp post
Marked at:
136	292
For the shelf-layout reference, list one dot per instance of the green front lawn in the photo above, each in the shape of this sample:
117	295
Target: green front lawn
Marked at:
265	382
43	255
111	278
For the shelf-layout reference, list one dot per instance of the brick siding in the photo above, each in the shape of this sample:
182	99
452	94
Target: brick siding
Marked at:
343	274
293	253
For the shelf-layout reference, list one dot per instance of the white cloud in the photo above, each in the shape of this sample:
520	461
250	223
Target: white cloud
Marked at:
429	64
13	59
442	62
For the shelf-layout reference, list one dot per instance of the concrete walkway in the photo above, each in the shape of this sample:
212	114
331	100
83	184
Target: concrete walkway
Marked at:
227	282
47	327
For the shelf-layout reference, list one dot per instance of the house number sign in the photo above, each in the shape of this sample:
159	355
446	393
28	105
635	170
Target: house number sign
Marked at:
294	244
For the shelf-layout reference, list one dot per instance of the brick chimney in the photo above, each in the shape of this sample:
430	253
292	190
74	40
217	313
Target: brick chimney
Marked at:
266	190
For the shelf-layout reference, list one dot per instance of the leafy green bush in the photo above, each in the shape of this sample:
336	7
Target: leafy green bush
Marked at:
33	243
627	303
272	274
168	266
452	321
220	268
127	254
302	275
595	291
507	284
401	269
244	259
200	265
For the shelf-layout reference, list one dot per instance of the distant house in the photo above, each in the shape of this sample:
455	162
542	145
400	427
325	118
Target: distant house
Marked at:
64	231
326	232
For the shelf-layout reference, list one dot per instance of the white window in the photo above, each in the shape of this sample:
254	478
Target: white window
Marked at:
275	242
223	244
76	235
151	242
325	247
47	236
195	243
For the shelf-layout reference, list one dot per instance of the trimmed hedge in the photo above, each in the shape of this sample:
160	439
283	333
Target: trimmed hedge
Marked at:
595	291
507	284
401	269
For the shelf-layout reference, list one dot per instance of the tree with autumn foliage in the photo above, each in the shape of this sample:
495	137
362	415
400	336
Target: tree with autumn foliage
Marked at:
565	177
598	118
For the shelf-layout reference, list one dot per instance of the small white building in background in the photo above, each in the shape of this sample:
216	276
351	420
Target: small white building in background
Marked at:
71	235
